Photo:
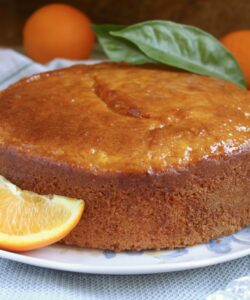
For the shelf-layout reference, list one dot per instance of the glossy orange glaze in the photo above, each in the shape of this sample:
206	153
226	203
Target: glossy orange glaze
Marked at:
122	118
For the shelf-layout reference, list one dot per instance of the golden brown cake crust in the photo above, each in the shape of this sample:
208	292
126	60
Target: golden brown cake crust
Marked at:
161	158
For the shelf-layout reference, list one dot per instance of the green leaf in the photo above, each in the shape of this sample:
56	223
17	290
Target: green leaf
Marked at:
182	46
119	49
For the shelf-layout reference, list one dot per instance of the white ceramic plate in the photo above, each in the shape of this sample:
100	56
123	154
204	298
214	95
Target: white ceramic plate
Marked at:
74	259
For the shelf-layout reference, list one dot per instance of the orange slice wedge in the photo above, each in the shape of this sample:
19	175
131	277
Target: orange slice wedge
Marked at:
29	221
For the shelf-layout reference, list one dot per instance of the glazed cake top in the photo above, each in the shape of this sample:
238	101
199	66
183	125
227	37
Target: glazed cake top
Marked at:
119	118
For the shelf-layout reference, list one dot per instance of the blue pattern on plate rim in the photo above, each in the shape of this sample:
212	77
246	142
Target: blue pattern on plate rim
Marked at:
220	246
224	245
242	236
111	254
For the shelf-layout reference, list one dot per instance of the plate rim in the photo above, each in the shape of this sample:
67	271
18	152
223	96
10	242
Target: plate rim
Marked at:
123	270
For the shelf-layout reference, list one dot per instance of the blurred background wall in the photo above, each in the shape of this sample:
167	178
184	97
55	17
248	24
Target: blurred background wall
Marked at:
216	16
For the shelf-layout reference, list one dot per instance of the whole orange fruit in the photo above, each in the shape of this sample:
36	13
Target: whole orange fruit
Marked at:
58	30
238	43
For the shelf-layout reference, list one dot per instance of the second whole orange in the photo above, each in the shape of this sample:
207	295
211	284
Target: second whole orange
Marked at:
238	43
58	31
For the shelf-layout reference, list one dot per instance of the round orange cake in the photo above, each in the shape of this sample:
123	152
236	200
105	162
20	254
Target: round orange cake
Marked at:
161	158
